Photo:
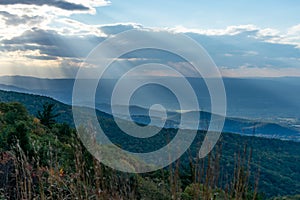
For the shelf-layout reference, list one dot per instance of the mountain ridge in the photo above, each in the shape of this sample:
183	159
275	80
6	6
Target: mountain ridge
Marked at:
234	125
275	156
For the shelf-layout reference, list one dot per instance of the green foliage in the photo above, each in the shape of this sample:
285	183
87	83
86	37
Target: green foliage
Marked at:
57	147
12	112
195	192
14	119
35	103
21	135
295	197
148	190
47	115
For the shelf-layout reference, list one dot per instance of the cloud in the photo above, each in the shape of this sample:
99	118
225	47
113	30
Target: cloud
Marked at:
290	37
112	29
267	32
18	16
14	20
43	31
254	71
247	50
21	63
68	26
65	5
230	30
294	30
247	47
42	57
51	7
36	35
39	31
49	42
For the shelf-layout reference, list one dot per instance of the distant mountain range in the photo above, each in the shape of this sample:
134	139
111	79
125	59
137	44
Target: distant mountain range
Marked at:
233	125
140	115
270	99
268	104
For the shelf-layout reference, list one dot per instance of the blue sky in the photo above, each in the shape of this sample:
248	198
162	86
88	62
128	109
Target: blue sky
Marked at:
50	38
199	14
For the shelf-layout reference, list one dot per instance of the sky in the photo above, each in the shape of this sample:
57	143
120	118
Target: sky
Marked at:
200	14
51	38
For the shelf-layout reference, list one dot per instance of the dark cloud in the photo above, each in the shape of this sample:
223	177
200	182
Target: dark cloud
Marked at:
42	57
227	50
36	36
246	47
115	29
55	3
51	43
11	19
231	51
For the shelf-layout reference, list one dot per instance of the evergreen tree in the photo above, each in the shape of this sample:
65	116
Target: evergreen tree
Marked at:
47	115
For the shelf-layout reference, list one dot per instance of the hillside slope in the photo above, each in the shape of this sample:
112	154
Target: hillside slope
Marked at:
278	160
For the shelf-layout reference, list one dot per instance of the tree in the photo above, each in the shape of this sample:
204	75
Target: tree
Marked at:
13	112
20	134
47	116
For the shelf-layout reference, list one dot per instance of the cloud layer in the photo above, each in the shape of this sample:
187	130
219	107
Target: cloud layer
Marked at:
40	34
65	5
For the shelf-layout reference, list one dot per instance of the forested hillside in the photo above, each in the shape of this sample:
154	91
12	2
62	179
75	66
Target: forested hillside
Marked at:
47	160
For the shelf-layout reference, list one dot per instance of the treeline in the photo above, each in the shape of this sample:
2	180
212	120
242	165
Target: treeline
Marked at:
42	159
